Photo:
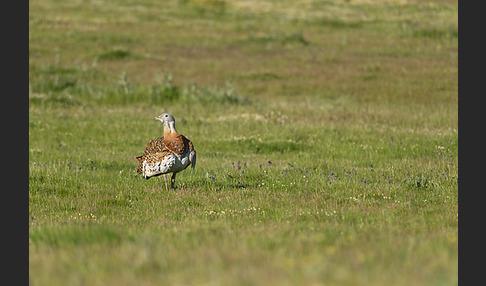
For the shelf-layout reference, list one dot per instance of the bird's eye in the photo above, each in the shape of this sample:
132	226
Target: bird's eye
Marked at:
166	115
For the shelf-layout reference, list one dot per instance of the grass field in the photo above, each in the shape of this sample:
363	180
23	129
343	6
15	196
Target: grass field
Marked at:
326	133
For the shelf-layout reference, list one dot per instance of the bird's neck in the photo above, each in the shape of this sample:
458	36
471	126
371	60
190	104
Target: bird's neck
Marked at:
169	128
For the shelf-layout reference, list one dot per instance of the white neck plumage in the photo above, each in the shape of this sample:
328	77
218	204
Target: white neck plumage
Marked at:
170	128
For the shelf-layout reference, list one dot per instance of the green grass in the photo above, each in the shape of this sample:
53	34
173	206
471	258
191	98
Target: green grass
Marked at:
326	133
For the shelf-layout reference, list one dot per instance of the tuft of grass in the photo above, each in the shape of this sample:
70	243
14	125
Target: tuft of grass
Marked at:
339	24
435	34
115	54
278	38
75	236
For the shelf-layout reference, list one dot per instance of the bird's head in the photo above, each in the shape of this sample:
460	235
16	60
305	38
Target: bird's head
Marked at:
165	118
168	121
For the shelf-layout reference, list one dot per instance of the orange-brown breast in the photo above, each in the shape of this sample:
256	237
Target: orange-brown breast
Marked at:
176	143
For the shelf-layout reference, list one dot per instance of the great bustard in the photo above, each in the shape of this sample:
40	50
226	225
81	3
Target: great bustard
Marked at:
171	153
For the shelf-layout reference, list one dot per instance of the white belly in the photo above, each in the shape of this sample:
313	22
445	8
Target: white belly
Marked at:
171	164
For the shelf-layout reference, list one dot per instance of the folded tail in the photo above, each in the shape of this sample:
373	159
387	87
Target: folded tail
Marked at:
192	159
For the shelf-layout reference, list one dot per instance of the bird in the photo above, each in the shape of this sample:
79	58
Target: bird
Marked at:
170	153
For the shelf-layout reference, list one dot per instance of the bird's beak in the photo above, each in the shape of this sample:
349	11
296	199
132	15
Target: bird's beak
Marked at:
158	118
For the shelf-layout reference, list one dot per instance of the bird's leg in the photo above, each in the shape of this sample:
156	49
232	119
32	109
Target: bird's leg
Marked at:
172	180
165	181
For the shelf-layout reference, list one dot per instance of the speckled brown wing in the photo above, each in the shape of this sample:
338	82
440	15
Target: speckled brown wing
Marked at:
154	151
188	143
155	145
